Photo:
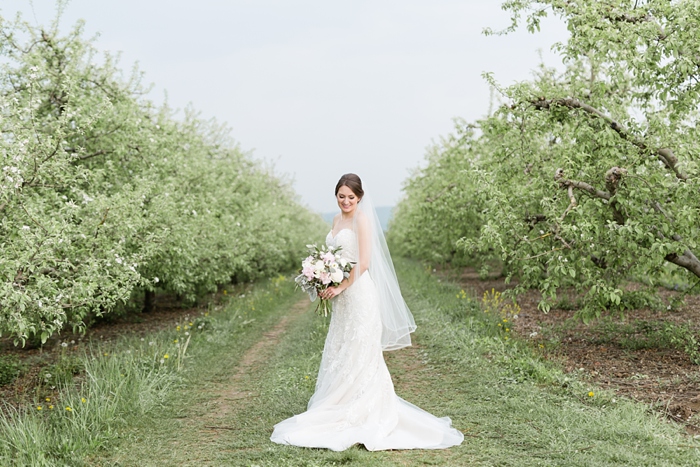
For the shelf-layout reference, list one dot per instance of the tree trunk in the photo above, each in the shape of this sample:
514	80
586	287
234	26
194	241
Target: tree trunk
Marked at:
149	301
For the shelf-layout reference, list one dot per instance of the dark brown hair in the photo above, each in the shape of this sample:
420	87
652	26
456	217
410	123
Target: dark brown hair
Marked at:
353	182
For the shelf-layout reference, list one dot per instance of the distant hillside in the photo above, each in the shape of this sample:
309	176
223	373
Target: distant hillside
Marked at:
383	212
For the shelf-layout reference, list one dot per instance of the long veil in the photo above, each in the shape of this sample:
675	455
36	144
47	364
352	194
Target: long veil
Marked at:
397	320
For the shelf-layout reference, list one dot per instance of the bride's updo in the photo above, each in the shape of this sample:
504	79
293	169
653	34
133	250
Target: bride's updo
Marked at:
353	182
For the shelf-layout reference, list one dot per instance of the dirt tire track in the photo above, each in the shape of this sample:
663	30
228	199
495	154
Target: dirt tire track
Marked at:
237	389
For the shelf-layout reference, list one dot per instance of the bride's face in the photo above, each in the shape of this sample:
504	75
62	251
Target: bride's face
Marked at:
347	200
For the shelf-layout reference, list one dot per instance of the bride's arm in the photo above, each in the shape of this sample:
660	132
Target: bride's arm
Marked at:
364	248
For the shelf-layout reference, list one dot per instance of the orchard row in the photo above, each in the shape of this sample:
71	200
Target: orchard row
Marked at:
583	177
106	198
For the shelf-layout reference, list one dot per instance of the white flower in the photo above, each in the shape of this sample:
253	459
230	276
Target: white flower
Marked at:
319	266
25	227
156	280
64	344
337	275
118	260
343	262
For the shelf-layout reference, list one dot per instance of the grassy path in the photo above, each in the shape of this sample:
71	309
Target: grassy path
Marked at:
514	408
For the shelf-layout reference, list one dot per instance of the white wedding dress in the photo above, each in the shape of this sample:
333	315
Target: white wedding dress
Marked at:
355	402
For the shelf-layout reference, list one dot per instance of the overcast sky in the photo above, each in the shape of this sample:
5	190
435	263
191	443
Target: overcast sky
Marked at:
319	88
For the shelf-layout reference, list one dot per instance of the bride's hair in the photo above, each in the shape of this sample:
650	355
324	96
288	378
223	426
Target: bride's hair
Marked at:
353	182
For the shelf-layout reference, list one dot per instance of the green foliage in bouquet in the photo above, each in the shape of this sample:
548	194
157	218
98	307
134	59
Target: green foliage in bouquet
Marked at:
585	177
104	196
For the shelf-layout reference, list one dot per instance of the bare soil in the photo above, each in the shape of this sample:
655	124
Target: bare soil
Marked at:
664	378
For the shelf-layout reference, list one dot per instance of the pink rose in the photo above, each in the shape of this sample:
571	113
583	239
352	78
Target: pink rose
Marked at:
308	272
328	257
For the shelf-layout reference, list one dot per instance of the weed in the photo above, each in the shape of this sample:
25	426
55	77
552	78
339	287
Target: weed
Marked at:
10	368
62	371
499	312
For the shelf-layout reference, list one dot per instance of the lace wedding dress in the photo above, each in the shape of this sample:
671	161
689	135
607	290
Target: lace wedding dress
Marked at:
355	400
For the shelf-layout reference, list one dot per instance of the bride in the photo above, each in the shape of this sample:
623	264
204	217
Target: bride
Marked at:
355	402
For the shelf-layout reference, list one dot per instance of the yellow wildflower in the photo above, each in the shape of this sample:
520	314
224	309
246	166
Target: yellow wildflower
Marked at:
166	356
591	394
51	407
48	399
83	400
69	409
38	407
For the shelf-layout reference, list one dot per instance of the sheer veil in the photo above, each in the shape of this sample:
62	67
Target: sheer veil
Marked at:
397	320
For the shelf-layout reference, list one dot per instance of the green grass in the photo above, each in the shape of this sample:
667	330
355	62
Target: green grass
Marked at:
114	387
515	408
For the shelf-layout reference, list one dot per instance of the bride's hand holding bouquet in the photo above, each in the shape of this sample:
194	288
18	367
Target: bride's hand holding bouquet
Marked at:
321	275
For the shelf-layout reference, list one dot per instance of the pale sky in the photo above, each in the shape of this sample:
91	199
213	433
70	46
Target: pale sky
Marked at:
317	88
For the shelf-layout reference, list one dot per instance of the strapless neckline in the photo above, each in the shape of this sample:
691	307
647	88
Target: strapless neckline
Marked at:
334	236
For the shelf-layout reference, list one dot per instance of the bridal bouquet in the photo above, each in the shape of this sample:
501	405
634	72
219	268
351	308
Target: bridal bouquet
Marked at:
324	267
